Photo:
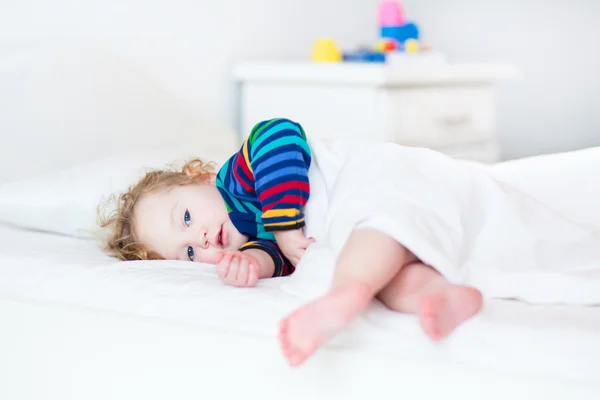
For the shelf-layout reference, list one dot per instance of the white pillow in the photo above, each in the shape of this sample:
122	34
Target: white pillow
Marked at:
65	202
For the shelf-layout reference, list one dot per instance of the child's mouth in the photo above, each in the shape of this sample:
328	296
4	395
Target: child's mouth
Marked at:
220	237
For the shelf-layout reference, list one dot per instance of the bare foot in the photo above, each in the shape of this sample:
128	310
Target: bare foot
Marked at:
444	311
310	327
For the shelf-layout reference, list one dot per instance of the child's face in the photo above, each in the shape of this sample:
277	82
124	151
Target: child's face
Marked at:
186	223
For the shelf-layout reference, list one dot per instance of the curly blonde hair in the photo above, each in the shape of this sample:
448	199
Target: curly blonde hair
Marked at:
122	242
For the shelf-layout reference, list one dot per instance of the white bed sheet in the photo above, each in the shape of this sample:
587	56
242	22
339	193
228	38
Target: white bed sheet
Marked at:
63	353
510	337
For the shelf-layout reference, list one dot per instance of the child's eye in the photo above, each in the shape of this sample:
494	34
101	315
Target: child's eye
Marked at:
187	218
190	252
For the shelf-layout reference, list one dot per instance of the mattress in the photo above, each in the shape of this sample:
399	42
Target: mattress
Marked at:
555	343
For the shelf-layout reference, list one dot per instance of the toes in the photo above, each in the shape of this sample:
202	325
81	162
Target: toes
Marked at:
442	313
284	329
296	359
283	333
284	341
428	323
430	317
296	356
435	334
293	354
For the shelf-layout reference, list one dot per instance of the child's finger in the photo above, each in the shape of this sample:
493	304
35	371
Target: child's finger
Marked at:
234	266
242	276
252	275
224	253
223	266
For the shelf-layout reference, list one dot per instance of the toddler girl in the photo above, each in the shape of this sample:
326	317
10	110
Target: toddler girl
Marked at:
248	219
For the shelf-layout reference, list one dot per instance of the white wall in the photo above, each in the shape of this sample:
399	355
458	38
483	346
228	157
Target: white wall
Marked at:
555	103
190	46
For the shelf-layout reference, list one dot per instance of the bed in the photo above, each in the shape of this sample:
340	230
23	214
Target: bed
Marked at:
80	325
77	324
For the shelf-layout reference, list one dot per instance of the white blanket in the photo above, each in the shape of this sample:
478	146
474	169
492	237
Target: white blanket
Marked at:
458	217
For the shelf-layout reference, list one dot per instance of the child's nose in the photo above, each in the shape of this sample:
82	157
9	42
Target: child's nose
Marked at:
201	239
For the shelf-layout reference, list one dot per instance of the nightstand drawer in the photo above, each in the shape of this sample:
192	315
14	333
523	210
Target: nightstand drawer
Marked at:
450	108
440	116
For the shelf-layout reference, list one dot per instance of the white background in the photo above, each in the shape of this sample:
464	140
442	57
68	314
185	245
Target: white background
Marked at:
190	46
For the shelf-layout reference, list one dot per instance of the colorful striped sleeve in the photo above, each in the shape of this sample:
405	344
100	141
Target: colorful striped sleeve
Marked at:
279	158
282	265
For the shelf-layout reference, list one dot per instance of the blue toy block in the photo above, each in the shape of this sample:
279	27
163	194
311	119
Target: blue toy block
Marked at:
364	56
411	31
401	33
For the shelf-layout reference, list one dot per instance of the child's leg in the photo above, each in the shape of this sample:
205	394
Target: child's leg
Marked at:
370	262
367	263
442	306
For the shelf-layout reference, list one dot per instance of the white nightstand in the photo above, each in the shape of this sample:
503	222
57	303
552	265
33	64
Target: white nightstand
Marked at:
450	108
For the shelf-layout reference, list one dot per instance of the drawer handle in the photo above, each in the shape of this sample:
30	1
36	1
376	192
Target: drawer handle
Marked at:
455	121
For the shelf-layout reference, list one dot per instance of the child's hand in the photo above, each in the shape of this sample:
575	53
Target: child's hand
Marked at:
293	244
236	268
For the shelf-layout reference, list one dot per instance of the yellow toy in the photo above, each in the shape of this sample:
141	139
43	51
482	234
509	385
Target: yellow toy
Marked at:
411	46
326	50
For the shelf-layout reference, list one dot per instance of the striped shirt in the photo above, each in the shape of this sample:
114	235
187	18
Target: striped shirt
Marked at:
265	186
